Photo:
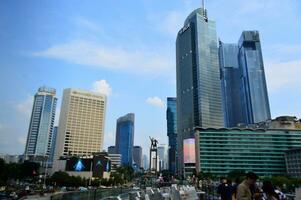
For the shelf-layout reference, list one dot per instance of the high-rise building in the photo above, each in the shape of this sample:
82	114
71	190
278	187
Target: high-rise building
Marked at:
145	162
39	138
52	151
171	117
111	149
137	156
115	161
81	124
125	138
255	101
198	78
245	97
162	157
230	83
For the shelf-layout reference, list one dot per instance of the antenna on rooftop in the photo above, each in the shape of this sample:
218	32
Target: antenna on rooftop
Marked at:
204	11
203	4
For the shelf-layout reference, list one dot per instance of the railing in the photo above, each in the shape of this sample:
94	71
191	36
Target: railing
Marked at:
91	194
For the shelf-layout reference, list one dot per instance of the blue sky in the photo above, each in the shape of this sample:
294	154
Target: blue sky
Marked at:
127	50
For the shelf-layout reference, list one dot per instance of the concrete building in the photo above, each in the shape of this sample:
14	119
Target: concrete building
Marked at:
115	161
81	124
163	157
39	138
145	162
261	150
293	162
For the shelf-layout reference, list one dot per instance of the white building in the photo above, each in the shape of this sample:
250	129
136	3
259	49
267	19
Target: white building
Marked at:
81	125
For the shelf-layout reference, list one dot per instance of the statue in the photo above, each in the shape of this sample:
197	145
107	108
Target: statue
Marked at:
154	143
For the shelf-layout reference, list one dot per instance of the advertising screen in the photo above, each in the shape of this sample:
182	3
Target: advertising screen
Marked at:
78	164
101	164
189	150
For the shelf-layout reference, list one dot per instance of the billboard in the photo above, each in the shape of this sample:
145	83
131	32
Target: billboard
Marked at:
78	164
189	150
101	164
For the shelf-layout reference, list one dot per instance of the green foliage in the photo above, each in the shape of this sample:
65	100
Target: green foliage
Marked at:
237	175
64	179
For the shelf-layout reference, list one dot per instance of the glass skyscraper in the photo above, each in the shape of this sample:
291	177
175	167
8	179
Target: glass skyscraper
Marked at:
245	97
198	78
39	138
171	117
125	138
230	83
255	100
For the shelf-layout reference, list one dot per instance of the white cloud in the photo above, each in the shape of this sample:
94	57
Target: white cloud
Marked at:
88	24
21	140
25	107
103	87
155	101
283	74
108	57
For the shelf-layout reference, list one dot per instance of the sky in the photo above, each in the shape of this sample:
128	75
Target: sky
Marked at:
126	49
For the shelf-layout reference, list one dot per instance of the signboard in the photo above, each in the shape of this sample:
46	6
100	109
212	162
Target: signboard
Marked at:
101	164
189	150
78	164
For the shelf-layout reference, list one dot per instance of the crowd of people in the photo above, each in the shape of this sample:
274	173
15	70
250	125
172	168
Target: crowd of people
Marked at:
249	190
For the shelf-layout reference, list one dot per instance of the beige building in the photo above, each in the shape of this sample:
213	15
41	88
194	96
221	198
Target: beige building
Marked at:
81	124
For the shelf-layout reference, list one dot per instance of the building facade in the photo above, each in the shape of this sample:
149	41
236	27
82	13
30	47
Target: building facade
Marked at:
198	78
111	150
162	157
52	151
171	118
39	138
137	156
125	138
81	124
115	161
255	101
220	151
230	83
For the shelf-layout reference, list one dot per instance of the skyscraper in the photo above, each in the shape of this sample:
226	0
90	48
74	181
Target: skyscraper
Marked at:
198	78
137	156
162	157
171	117
81	124
52	151
245	97
230	83
39	138
255	102
125	138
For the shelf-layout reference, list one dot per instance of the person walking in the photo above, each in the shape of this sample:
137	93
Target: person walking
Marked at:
243	190
269	191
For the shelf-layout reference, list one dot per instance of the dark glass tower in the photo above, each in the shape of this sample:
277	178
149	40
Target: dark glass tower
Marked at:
137	156
40	131
125	138
171	117
255	101
198	78
230	83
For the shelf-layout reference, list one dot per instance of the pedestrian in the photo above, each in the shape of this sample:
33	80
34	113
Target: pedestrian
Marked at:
234	188
269	191
224	190
243	190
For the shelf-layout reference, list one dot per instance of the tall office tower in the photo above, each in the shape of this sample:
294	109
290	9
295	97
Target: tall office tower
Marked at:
162	157
81	124
111	150
52	151
198	78
40	131
145	162
171	117
230	83
125	138
137	156
255	102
